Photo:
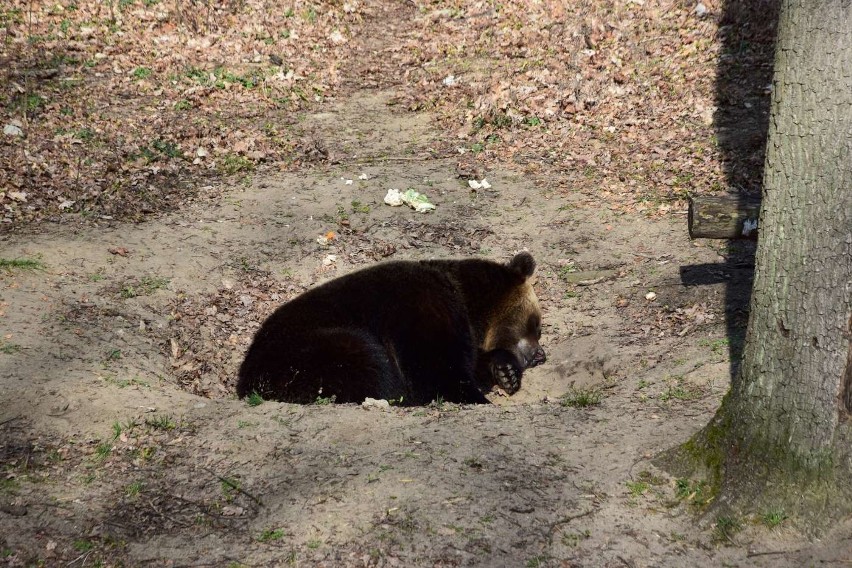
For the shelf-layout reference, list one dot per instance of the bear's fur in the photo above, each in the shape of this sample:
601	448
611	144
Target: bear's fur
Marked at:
411	331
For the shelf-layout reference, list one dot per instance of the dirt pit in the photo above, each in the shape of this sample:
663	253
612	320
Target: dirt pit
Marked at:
123	444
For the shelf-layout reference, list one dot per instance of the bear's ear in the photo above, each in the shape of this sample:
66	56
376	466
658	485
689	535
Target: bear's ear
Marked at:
523	264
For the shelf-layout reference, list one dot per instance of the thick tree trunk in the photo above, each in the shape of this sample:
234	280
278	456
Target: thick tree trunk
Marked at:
784	434
798	340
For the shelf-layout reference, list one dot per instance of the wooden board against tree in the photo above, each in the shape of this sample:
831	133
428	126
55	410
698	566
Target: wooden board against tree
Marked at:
723	217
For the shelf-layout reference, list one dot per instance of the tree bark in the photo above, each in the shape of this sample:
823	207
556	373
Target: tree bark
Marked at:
783	434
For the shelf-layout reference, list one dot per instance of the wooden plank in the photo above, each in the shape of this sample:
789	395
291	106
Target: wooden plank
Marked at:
723	217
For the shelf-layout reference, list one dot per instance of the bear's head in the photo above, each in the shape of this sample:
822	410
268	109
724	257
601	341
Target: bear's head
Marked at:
513	331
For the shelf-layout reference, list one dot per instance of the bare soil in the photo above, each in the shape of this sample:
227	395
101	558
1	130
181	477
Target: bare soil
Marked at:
123	444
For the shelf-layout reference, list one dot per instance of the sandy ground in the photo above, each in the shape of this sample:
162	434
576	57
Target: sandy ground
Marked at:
123	445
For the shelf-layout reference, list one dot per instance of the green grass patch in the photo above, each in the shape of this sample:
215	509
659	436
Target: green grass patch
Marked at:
573	539
143	454
141	73
651	479
537	562
341	214
197	75
726	527
9	348
637	488
35	102
679	389
9	485
84	134
358	207
773	518
234	163
715	345
144	287
159	149
103	450
254	399
230	487
82	545
21	264
11	16
565	270
167	148
697	493
270	535
134	489
221	78
161	422
581	397
124	383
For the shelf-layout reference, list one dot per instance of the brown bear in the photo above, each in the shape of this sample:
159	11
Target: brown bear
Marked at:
410	331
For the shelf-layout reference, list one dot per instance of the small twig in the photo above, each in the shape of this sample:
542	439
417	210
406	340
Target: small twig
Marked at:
82	557
216	563
630	471
27	92
205	509
165	516
130	526
655	38
626	563
657	257
10	419
233	485
374	159
568	519
768	552
593	281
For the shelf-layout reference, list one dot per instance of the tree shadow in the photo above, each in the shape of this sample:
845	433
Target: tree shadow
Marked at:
743	88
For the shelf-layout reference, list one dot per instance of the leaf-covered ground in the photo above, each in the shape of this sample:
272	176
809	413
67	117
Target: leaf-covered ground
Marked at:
123	109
